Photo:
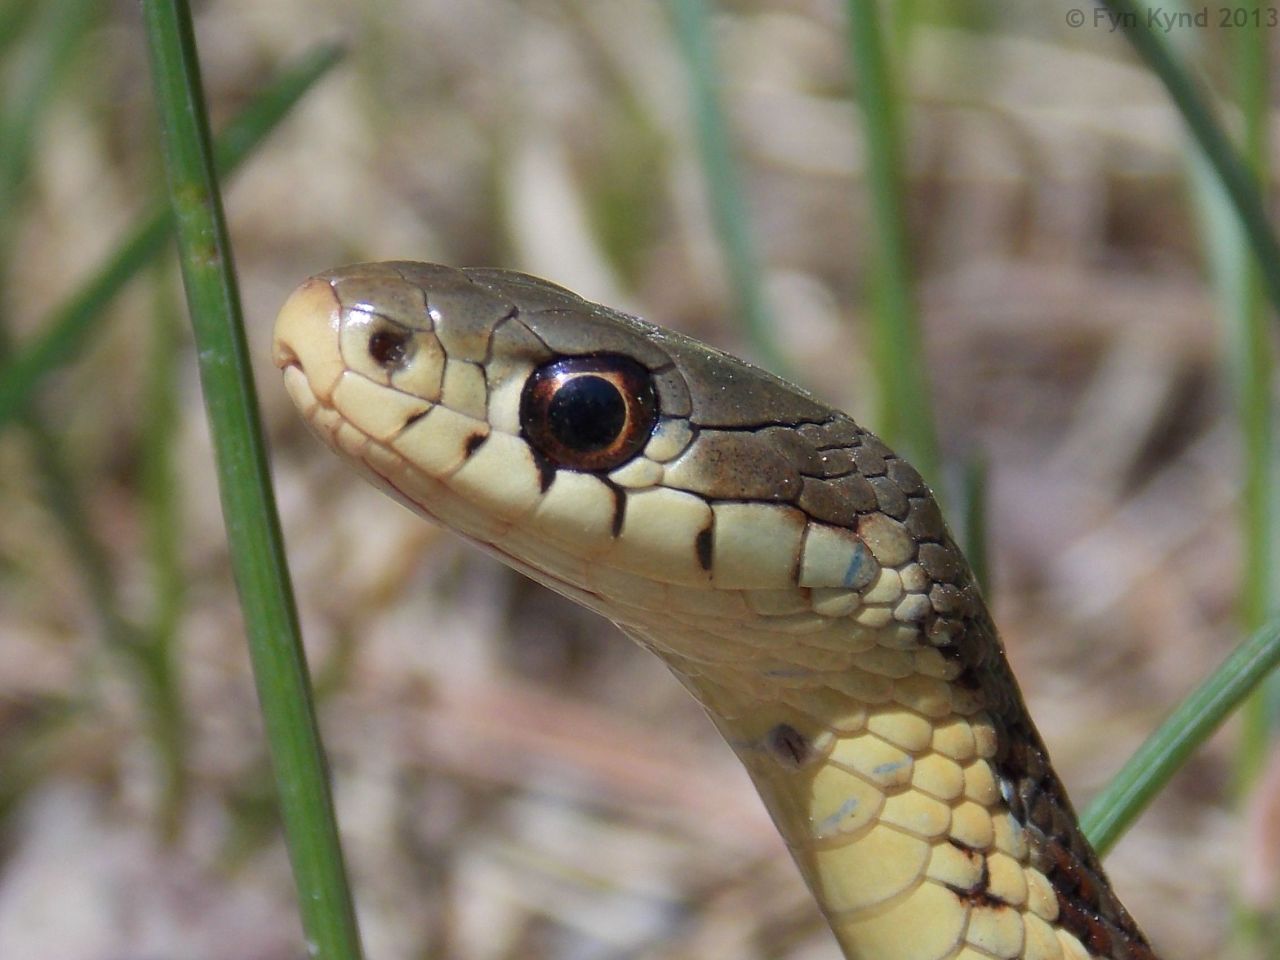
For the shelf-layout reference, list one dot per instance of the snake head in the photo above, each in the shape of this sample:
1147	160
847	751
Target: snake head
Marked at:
620	463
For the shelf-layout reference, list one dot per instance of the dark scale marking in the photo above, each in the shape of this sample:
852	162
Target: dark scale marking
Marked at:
413	418
1088	928
788	745
889	498
797	562
942	565
474	442
703	543
493	337
1036	798
619	507
546	470
835	433
986	899
978	895
870	462
831	465
924	523
941	633
961	845
906	477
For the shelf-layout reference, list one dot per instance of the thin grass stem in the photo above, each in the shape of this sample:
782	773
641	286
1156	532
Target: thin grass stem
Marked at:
1195	719
724	183
54	32
249	511
1152	45
160	490
903	416
1253	377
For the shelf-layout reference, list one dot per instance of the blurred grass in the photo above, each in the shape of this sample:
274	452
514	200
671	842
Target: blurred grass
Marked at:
1255	380
1244	259
725	194
55	29
51	45
53	35
159	486
149	649
907	421
71	326
904	415
163	485
254	537
1188	727
1232	170
1244	308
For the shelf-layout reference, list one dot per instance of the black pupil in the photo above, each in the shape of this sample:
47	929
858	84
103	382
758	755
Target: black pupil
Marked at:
587	413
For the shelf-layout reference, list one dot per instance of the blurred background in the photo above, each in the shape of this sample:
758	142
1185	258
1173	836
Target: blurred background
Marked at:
512	777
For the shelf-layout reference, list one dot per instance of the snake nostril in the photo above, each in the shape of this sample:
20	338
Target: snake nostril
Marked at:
389	347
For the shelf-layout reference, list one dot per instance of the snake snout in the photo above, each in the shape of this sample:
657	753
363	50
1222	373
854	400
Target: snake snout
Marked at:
306	336
283	354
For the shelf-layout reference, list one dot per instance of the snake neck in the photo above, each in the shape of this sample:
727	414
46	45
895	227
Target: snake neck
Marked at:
909	782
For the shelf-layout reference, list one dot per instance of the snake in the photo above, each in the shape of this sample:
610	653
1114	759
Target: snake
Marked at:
792	571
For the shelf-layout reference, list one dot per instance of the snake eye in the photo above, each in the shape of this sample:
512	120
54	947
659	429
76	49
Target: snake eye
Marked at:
589	413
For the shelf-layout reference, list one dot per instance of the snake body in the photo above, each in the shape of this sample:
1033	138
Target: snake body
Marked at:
791	570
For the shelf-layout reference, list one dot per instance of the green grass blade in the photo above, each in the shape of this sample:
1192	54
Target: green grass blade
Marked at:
1247	332
1244	263
1152	45
14	16
724	182
48	58
1151	767
1255	379
253	527
1253	376
69	327
53	39
63	500
52	36
903	416
158	652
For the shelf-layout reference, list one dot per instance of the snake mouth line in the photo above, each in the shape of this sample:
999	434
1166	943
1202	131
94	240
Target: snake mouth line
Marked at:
284	356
